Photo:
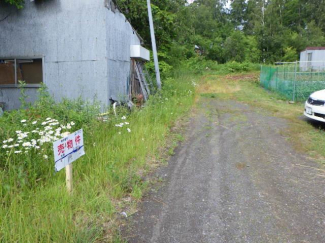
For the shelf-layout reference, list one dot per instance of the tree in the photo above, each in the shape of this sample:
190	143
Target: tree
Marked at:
18	3
235	47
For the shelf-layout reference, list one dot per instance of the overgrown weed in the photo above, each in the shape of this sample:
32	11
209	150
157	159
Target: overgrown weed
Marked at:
43	211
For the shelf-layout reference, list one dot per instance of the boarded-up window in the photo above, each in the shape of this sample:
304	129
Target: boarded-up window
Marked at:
28	70
7	72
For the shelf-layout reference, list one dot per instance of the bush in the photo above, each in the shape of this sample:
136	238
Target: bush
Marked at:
199	65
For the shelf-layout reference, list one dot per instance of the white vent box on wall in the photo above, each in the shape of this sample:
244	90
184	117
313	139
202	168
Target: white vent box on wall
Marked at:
139	52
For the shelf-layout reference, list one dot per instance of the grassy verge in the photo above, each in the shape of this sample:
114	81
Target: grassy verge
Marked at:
35	205
308	137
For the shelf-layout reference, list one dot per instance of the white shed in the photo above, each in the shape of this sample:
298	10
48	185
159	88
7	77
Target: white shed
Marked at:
312	58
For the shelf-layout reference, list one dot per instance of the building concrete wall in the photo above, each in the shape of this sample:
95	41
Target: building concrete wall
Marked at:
85	47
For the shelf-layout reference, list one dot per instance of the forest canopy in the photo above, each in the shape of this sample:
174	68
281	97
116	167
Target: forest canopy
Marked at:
242	30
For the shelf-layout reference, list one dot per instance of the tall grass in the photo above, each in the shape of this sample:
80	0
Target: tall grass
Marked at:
35	204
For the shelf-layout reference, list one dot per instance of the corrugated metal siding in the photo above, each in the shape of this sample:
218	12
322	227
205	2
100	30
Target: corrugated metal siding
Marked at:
120	36
85	48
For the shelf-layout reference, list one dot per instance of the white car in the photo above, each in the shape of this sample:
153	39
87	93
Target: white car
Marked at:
315	106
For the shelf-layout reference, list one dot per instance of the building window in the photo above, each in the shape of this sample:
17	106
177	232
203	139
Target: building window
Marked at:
14	70
310	57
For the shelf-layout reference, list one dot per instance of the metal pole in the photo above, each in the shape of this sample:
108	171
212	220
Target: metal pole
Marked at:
294	84
154	47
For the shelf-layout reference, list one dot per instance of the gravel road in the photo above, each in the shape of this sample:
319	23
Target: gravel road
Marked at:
235	178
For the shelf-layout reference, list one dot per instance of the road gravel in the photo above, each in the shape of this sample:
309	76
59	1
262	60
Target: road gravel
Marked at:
235	178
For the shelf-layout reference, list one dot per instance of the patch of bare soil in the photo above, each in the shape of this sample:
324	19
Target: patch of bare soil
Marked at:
238	77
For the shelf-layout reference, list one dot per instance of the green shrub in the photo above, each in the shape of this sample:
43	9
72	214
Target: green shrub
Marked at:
199	65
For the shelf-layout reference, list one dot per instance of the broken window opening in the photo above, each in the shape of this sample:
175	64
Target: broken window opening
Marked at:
14	70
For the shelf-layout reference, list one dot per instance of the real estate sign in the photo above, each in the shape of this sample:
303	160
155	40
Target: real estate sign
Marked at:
68	149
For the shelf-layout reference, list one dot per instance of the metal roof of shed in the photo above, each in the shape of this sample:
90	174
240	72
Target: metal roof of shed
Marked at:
314	48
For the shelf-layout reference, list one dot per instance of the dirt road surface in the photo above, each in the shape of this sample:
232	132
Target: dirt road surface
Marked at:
235	178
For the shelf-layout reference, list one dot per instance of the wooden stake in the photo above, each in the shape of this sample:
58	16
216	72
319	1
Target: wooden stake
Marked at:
68	172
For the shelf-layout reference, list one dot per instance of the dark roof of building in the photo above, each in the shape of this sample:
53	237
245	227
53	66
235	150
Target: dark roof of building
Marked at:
313	48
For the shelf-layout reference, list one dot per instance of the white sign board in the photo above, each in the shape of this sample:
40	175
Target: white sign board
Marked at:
68	149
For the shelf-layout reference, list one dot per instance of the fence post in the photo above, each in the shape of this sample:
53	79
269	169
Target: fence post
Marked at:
276	79
294	84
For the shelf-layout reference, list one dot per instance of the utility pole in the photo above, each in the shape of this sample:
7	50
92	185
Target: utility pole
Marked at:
154	47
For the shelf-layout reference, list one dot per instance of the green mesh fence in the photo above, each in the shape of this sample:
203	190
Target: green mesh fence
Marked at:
295	81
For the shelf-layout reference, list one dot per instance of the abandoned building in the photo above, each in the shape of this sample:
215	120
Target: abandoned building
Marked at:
312	59
77	48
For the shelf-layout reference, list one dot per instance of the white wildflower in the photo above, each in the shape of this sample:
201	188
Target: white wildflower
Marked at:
23	121
50	132
17	152
126	123
44	123
48	118
34	122
129	130
123	118
41	133
45	156
5	141
11	146
10	140
22	135
27	144
68	126
16	145
5	146
72	123
18	132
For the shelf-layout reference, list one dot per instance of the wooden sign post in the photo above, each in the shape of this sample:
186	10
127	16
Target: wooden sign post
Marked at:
68	179
66	151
